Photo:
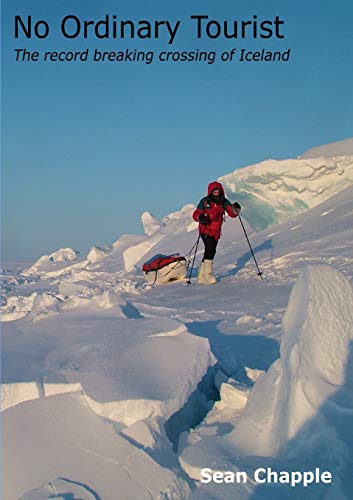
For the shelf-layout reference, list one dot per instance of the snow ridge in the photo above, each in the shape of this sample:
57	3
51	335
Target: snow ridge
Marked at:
274	191
298	413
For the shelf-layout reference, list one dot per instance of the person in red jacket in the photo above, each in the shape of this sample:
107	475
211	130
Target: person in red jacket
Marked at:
210	214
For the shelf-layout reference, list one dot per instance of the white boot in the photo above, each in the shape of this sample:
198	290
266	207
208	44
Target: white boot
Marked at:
208	267
201	279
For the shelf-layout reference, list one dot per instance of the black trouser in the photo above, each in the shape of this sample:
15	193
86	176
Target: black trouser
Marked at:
210	246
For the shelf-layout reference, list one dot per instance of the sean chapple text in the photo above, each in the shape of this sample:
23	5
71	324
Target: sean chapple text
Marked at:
266	475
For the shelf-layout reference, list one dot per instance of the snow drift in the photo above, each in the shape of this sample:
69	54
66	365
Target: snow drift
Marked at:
58	448
274	191
135	373
301	410
45	263
316	347
150	223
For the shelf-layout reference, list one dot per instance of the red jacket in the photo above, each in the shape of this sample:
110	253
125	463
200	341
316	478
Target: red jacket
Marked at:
214	210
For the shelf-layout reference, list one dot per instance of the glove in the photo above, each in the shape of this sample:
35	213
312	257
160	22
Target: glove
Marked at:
236	207
203	219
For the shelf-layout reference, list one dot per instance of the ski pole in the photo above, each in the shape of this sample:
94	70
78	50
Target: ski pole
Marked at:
193	261
259	273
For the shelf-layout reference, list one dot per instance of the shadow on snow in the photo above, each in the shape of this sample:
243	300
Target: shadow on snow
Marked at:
330	450
244	259
252	351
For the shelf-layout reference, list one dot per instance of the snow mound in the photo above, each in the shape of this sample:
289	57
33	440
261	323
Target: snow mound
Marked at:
17	307
181	220
97	253
63	255
338	148
150	223
130	370
45	303
274	191
46	263
314	365
301	409
60	437
93	302
183	215
108	299
13	394
71	296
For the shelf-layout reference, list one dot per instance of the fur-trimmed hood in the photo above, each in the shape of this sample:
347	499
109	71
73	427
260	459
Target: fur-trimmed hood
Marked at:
215	185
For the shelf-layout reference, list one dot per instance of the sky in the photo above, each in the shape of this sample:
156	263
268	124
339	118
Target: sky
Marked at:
87	147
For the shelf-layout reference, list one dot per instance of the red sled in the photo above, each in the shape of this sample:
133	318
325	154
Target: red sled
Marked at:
165	268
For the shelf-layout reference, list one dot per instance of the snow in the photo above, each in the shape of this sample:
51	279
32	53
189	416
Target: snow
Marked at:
127	372
276	190
115	360
113	388
17	307
13	394
45	262
98	253
302	407
159	233
134	254
72	444
150	223
339	148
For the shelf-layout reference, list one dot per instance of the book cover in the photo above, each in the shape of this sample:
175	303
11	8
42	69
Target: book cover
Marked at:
177	249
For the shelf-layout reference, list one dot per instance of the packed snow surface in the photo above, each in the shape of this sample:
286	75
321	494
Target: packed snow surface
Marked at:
59	447
113	388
